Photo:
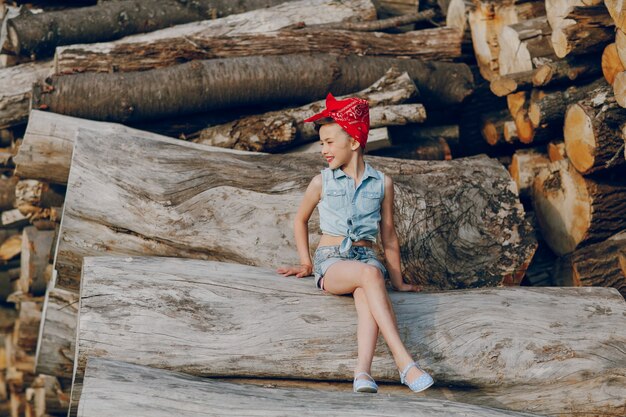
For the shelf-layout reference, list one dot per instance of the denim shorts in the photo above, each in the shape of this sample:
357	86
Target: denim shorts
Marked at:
325	256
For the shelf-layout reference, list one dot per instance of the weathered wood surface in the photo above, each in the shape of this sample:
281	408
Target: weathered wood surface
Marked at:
46	151
574	211
57	334
15	87
277	130
441	44
220	206
183	42
39	34
113	388
205	85
525	165
216	309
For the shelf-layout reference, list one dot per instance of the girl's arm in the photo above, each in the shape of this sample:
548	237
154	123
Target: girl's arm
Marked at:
390	242
301	229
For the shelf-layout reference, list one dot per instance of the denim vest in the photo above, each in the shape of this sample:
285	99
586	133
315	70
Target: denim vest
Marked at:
346	211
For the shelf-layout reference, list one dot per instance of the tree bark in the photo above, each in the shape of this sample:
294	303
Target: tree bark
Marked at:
487	19
7	192
601	265
39	34
27	325
275	185
582	28
113	387
442	44
16	84
574	211
274	131
594	132
173	45
549	110
523	44
200	86
153	330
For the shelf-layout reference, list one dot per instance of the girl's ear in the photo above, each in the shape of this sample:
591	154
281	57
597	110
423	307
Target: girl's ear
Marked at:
354	144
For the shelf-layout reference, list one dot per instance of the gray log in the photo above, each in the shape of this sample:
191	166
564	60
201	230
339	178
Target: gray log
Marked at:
114	388
169	46
460	222
46	150
205	85
218	319
40	33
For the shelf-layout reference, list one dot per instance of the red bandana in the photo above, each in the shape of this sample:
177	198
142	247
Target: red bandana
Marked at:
352	114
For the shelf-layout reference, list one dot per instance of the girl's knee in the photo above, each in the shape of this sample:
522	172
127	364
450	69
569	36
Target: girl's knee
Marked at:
371	275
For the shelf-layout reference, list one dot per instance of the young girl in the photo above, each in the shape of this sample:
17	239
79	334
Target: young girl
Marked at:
353	199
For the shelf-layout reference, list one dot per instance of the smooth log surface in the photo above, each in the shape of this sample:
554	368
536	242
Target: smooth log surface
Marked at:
15	86
46	150
574	211
205	85
39	34
216	309
594	132
195	202
441	44
113	388
611	63
183	42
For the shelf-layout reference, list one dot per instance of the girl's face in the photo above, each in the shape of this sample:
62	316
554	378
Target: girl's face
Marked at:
337	145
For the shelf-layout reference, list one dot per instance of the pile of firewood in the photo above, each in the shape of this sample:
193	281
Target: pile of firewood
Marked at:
542	91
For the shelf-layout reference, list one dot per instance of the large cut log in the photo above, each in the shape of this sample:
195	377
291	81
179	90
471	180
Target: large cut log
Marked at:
443	44
594	132
523	45
277	130
16	85
184	42
46	150
574	211
611	63
113	388
57	333
619	88
218	216
205	85
215	309
487	18
36	255
602	264
39	34
579	26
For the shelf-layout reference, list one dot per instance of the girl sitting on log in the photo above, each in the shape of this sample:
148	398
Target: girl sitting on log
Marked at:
353	199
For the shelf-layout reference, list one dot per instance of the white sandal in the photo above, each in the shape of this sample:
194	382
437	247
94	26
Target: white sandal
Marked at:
418	384
364	385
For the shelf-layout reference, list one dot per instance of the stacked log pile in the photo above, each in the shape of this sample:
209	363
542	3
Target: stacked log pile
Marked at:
87	117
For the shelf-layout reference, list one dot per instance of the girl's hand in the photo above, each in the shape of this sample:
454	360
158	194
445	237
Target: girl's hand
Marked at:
299	271
408	287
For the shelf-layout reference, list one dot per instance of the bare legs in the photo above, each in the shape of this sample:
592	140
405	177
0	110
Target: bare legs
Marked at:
374	311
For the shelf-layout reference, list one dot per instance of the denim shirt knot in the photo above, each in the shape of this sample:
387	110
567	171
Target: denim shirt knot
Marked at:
349	211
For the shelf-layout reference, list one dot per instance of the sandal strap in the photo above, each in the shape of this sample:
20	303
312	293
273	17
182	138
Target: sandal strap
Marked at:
364	373
406	370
